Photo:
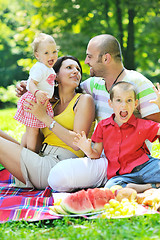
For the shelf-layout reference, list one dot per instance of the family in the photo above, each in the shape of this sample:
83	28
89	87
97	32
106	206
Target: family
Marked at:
120	154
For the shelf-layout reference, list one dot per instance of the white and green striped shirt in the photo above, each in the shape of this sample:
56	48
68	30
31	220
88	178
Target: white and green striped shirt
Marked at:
96	87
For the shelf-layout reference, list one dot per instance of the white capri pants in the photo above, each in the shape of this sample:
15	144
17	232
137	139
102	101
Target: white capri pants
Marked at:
77	173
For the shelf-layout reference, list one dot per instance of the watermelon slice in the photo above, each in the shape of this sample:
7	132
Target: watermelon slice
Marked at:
57	209
77	203
99	197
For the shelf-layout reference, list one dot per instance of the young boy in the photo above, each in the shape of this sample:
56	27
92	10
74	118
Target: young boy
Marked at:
123	138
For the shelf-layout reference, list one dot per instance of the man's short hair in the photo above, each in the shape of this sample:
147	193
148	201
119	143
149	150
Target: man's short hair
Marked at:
108	44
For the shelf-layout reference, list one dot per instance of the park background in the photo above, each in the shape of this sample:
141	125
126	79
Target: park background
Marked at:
135	23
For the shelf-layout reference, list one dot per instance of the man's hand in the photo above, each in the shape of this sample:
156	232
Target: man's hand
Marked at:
157	91
21	88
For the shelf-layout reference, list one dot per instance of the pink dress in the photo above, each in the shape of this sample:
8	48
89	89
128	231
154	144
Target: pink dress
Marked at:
27	118
45	76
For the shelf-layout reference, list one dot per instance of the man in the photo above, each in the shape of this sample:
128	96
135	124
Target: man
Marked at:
105	61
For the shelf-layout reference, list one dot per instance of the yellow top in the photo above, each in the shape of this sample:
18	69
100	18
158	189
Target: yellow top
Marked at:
65	119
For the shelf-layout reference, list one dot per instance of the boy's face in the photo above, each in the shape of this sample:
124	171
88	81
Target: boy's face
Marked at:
47	53
123	104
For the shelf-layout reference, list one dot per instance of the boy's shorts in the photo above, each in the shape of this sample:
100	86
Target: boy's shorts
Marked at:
148	172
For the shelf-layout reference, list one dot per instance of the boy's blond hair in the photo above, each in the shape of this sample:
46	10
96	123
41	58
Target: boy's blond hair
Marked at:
126	86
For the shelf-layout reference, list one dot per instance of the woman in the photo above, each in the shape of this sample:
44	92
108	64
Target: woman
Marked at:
73	112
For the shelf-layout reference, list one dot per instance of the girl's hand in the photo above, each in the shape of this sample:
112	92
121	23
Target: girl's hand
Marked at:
41	96
157	91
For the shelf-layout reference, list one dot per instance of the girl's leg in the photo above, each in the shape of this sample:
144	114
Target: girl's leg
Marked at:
32	139
10	155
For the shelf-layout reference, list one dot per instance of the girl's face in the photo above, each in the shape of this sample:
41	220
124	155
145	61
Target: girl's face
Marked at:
69	73
47	53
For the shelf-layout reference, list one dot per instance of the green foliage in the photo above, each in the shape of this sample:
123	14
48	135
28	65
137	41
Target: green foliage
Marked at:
134	228
10	125
7	96
136	25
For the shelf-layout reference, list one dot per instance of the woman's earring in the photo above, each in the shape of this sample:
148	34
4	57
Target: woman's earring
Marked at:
56	84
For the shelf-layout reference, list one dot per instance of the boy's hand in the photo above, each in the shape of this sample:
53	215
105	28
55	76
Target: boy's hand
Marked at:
83	142
157	91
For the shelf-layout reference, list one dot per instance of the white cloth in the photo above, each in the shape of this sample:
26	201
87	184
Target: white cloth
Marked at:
45	77
77	173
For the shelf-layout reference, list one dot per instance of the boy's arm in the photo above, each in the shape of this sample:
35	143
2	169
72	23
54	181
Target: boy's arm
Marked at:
84	144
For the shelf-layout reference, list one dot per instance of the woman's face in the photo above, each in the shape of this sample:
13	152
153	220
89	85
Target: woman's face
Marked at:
69	73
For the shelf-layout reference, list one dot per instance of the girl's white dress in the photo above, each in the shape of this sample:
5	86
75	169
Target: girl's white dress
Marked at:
45	77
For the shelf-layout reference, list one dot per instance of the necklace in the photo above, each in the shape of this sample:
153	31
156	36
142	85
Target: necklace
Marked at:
117	77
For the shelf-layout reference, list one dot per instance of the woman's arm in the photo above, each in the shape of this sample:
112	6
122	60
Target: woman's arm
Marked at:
7	137
84	116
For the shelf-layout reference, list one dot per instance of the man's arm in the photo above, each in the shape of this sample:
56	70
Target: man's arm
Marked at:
21	88
154	117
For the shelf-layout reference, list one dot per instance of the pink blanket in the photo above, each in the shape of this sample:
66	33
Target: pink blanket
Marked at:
21	203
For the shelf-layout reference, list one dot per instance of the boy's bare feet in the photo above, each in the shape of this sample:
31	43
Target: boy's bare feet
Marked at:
141	187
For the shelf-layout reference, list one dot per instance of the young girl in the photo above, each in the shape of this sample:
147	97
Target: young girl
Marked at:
40	86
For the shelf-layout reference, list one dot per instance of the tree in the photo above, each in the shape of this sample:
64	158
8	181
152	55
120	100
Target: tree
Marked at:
135	23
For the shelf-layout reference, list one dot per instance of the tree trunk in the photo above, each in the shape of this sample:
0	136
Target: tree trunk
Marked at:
119	22
129	55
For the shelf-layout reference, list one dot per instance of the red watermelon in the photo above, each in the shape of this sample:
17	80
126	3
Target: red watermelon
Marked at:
77	203
99	197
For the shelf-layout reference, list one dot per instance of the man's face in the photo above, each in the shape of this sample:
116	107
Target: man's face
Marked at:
93	59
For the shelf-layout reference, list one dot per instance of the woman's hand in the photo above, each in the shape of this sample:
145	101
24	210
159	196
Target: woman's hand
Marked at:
38	110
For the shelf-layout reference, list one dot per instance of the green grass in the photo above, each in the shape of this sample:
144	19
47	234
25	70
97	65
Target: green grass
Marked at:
141	227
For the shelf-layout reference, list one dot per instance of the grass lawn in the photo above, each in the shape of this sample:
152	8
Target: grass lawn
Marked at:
141	227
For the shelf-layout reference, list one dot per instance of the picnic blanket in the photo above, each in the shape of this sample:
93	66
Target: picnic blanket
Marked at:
31	205
23	203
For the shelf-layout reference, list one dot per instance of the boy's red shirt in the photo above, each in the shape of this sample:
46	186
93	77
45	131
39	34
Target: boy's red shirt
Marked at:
124	146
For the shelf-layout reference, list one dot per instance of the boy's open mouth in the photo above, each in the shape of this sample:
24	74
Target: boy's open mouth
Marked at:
123	114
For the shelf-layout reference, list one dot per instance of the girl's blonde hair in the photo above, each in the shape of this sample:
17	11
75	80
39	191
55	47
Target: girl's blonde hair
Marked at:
42	37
